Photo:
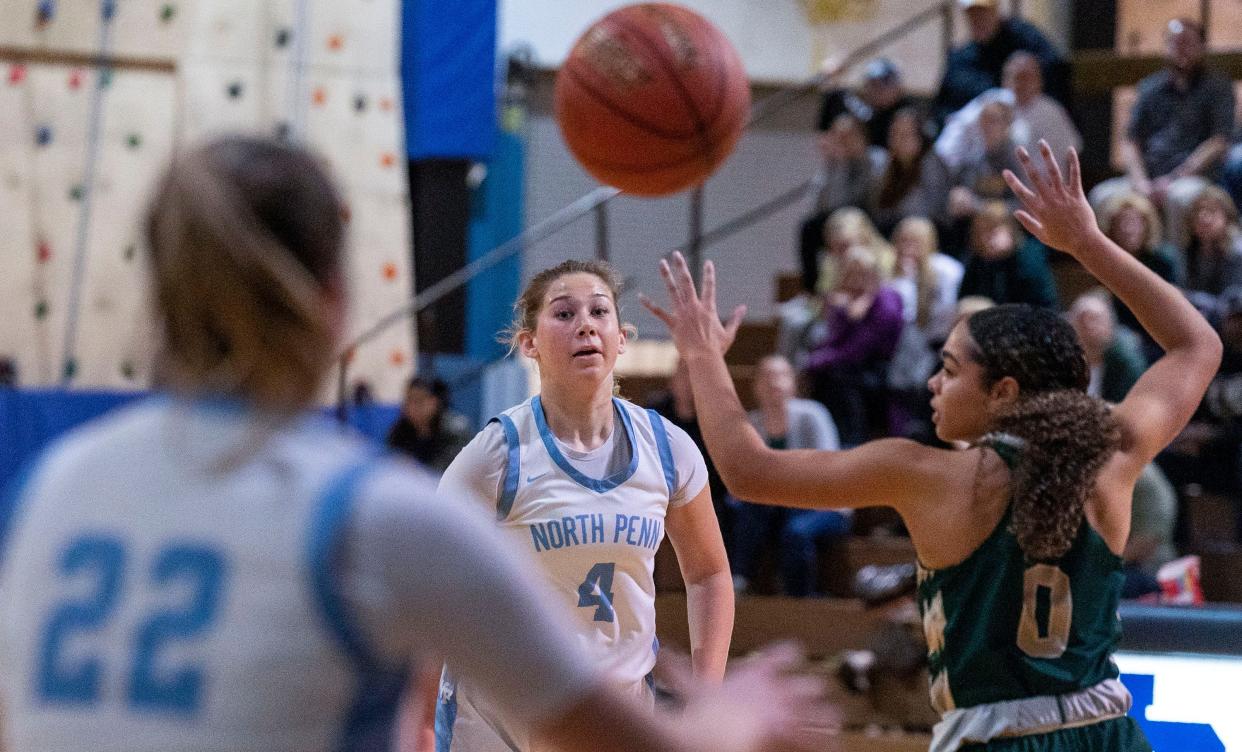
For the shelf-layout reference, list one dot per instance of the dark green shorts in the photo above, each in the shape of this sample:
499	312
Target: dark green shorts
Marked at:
1115	735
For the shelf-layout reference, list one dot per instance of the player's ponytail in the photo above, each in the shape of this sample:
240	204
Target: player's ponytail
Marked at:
1056	434
1061	440
245	238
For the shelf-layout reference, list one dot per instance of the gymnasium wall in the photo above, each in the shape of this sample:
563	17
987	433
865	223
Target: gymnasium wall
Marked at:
81	143
780	42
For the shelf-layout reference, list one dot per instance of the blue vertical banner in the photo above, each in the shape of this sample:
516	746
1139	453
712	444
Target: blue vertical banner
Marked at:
496	215
448	69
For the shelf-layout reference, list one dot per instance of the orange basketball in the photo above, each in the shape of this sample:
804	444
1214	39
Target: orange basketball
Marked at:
651	99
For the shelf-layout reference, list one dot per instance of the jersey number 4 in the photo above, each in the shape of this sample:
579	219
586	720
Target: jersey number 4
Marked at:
69	673
596	590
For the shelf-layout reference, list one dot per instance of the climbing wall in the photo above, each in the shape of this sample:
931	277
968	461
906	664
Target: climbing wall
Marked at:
97	95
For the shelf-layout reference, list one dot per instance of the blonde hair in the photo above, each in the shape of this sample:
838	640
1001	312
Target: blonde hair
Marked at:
924	231
990	215
1140	203
245	238
853	223
530	303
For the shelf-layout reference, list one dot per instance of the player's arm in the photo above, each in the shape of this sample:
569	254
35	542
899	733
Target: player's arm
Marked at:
428	576
694	532
1165	397
892	472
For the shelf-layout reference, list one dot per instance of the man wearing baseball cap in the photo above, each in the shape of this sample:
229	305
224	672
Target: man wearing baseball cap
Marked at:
978	65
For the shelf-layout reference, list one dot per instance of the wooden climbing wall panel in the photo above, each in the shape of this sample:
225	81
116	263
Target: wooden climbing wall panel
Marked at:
97	95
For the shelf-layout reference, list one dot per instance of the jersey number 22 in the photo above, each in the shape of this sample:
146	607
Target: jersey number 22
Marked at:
69	673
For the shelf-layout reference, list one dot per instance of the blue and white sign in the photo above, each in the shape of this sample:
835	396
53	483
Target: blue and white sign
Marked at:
1185	702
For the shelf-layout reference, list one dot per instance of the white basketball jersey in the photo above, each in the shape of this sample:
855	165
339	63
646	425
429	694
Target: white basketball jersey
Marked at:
594	538
161	591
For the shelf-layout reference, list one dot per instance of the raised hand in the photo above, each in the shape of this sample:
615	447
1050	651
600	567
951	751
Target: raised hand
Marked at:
1055	210
691	317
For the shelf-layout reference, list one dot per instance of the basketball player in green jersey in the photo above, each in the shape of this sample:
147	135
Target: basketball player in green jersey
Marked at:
1018	536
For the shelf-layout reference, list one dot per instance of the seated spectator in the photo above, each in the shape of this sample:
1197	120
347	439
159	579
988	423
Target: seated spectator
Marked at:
799	319
977	65
1114	355
1131	221
848	228
913	181
927	281
1153	516
1179	129
1208	450
1002	265
848	172
1213	251
1036	116
980	176
677	404
785	422
848	369
881	95
427	429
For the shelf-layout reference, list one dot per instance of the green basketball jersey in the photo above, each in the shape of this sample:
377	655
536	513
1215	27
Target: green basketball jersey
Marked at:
1000	627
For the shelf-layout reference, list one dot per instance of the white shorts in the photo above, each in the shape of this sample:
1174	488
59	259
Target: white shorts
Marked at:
467	721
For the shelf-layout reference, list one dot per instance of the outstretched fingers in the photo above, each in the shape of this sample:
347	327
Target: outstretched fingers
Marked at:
1024	194
656	310
1075	172
1053	169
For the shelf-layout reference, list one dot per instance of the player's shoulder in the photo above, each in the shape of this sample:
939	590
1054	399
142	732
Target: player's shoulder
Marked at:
123	432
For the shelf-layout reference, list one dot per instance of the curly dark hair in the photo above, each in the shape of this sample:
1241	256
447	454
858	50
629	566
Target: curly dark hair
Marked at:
1063	435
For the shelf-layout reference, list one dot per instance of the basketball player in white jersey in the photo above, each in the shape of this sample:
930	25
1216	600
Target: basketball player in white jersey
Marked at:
588	484
212	570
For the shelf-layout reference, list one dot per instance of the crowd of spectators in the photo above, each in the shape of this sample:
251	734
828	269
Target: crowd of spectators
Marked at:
914	225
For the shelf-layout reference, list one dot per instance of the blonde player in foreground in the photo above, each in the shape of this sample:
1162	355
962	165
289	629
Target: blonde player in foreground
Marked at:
1019	537
215	570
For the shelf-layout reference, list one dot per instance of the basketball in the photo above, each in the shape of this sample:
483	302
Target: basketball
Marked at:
652	99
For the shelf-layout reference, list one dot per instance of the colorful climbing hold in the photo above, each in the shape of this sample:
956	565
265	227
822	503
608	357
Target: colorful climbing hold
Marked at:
41	310
105	78
75	79
346	213
43	252
71	368
387	160
336	42
131	251
389	271
108	10
282	131
17	74
235	90
43	135
45	12
385	104
319	96
397	358
77	191
134	140
168	12
282	37
360	103
127	370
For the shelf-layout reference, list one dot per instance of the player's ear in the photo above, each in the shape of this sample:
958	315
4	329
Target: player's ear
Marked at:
1004	391
526	344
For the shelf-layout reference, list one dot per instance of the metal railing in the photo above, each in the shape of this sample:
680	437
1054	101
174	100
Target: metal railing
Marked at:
596	201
